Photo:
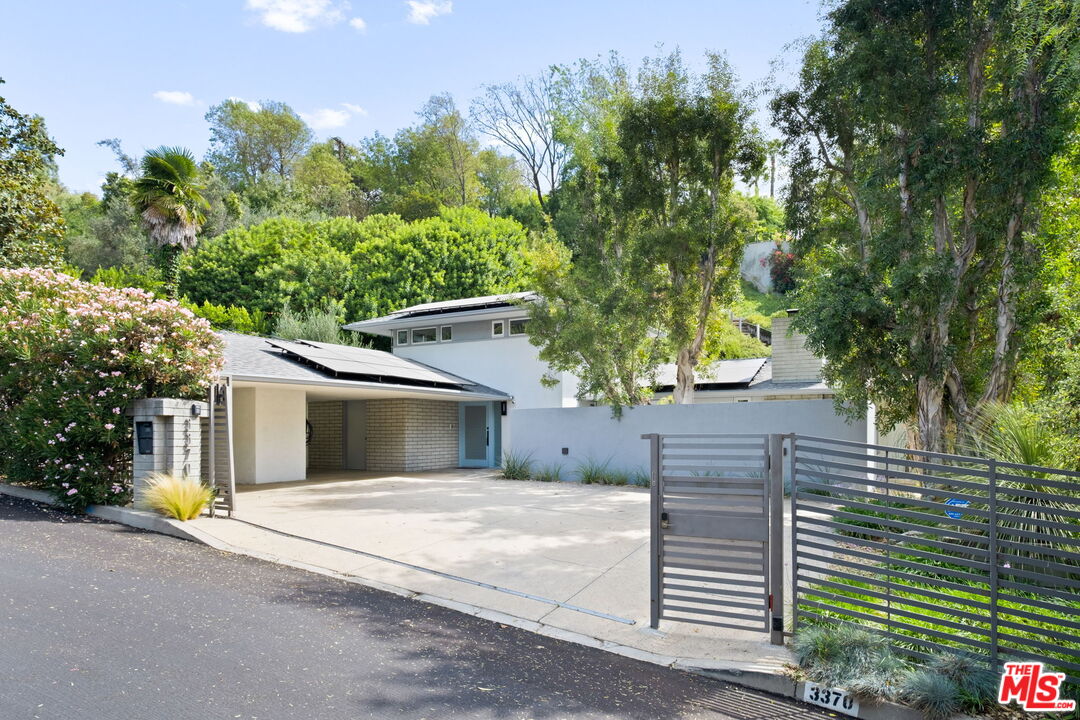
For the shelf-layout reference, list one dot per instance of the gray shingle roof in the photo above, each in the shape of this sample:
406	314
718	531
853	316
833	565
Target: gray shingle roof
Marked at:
250	356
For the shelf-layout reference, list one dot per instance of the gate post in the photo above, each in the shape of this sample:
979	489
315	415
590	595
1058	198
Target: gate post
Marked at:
654	529
776	538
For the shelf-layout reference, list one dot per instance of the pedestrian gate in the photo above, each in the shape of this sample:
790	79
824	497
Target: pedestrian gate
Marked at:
717	531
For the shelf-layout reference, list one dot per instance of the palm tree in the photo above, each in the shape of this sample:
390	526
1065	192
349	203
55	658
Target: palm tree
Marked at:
169	199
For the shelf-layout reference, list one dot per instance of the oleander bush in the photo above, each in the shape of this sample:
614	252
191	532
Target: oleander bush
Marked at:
73	357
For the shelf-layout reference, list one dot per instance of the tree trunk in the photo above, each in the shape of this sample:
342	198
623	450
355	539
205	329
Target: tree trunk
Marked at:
684	378
931	413
170	269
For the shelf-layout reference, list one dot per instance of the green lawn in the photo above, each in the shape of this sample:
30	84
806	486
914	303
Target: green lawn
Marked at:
759	307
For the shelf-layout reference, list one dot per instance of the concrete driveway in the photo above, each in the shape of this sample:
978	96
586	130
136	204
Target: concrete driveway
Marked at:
586	547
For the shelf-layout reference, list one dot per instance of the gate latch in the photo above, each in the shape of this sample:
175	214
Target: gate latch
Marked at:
664	524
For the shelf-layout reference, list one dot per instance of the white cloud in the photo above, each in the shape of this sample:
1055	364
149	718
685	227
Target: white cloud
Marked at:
422	11
297	16
252	105
326	118
330	118
175	97
358	24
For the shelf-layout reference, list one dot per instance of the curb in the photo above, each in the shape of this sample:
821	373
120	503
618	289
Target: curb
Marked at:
731	672
140	519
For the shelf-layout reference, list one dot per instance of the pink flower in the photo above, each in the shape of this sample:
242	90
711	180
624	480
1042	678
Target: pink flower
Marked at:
72	491
109	426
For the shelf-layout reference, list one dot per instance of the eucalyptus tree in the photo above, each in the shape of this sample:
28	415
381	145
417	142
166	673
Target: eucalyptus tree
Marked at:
682	141
168	197
250	142
521	116
921	137
652	224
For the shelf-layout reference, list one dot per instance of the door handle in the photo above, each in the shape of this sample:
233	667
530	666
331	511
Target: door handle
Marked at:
487	436
665	524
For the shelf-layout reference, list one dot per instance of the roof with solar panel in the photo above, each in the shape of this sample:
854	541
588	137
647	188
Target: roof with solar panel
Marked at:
471	308
301	361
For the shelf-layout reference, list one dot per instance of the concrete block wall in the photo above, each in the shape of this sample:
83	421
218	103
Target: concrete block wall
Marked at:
411	435
177	444
324	452
791	361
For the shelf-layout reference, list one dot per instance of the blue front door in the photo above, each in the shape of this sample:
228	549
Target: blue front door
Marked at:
475	435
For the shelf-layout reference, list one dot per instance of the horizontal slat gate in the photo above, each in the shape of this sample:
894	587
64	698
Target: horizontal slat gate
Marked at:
711	530
939	553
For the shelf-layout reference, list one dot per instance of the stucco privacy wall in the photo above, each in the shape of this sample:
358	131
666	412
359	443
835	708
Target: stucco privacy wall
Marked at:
590	433
410	435
752	269
324	452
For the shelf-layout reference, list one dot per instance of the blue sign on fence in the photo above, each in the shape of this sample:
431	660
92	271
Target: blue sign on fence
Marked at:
956	502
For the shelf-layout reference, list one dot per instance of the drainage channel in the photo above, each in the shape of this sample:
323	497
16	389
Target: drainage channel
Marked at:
448	576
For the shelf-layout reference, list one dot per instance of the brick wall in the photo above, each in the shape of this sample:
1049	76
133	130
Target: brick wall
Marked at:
411	435
324	452
791	361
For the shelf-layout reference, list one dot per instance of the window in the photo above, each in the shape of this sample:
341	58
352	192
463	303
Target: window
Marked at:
402	337
517	327
423	335
446	333
497	328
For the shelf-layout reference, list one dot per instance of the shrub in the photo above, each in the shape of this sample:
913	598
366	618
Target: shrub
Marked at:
782	271
318	325
837	655
641	478
73	356
179	497
231	317
972	675
549	473
936	696
125	277
594	472
516	466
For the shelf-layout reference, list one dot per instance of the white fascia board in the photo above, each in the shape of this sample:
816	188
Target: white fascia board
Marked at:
385	326
360	385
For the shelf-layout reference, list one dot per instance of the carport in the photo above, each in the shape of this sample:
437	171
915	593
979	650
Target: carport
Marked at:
301	407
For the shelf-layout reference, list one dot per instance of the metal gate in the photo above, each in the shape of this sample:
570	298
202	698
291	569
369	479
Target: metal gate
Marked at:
717	531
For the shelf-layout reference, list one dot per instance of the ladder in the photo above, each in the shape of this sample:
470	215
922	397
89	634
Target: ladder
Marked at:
217	449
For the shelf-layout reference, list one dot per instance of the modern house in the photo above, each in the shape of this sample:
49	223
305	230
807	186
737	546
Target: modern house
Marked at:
446	394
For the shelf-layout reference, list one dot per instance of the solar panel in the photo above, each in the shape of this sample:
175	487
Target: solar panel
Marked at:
344	360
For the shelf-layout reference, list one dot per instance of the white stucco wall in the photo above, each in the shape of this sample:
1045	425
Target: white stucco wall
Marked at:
268	434
751	267
507	364
591	432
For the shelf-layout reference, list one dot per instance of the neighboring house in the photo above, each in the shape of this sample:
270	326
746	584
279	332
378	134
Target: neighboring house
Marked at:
444	397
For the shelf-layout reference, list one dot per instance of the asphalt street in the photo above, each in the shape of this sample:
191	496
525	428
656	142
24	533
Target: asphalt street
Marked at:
101	622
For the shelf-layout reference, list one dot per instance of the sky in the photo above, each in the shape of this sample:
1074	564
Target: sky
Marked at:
146	72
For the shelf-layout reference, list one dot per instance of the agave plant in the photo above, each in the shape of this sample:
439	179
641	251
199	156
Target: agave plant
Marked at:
169	200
